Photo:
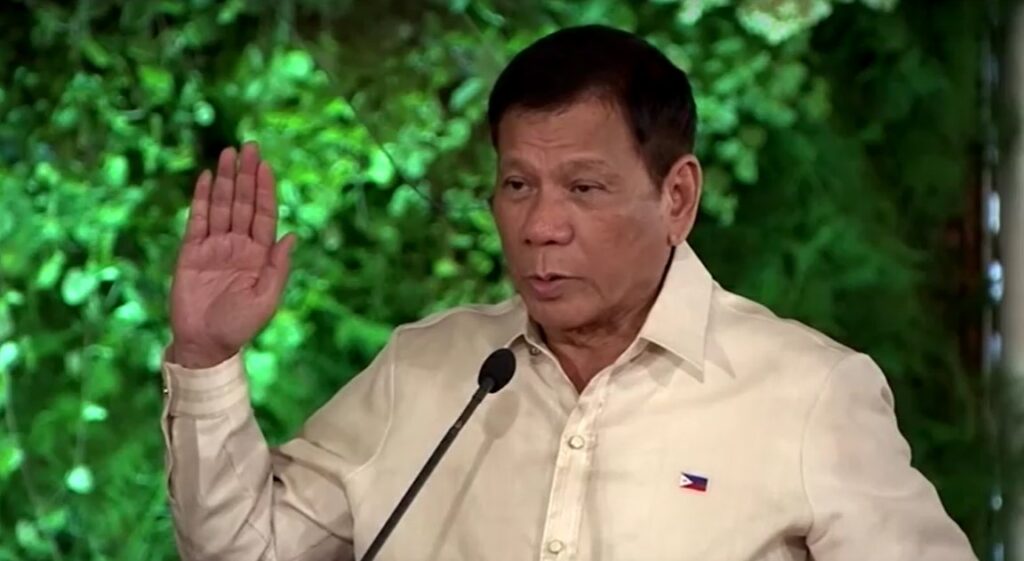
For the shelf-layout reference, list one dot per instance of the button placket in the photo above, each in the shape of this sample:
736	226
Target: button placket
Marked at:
572	467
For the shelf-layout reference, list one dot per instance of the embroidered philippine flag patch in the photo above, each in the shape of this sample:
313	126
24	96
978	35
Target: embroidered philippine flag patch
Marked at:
693	482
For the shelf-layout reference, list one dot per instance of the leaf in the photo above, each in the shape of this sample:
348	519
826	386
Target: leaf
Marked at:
380	170
77	286
115	170
48	274
778	20
691	11
95	53
882	5
203	113
229	11
296	65
54	521
66	118
466	93
285	332
404	200
79	480
110	272
29	538
131	313
157	84
445	268
11	457
9	352
93	413
746	167
262	370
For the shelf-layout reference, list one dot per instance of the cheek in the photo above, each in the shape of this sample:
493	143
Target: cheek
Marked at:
503	221
509	234
630	230
621	246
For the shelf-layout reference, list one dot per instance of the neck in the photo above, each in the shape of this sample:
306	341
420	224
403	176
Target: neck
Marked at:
585	351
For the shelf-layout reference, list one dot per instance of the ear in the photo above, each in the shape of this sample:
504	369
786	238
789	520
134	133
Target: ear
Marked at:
680	197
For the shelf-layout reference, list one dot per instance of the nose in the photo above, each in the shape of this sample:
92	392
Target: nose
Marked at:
547	221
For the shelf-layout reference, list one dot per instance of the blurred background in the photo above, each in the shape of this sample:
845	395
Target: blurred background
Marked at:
861	172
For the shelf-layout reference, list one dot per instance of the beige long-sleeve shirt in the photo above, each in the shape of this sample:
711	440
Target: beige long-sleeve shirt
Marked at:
722	433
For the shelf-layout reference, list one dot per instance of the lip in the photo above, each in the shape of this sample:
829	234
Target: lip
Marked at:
548	287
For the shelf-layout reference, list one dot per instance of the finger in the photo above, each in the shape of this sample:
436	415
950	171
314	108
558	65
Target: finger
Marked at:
264	223
199	213
245	190
274	275
223	193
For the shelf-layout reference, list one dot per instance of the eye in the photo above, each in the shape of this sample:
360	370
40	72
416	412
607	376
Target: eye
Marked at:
514	184
584	188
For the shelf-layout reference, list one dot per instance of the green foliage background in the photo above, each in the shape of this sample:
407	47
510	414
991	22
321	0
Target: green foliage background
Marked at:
837	138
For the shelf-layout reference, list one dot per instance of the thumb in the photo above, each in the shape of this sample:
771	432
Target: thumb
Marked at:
275	273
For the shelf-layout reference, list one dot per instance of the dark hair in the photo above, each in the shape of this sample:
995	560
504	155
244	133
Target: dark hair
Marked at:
653	94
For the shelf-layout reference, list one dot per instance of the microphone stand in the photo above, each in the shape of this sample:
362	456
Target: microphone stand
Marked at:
486	383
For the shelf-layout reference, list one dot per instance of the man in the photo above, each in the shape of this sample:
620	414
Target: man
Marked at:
653	416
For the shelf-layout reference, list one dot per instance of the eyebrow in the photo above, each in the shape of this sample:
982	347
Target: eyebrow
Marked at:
588	164
592	164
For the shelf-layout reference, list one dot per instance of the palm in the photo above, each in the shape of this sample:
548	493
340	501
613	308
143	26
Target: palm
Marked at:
214	293
230	271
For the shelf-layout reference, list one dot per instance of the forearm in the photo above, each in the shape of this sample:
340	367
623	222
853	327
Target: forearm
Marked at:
226	500
220	503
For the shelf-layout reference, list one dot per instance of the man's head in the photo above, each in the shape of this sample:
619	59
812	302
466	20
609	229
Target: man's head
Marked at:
596	179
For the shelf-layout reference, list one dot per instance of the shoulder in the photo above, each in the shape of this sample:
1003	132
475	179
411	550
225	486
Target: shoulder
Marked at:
498	319
467	330
758	343
798	376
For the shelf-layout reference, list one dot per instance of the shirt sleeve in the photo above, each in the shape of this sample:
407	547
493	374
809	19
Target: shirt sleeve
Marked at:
233	497
866	499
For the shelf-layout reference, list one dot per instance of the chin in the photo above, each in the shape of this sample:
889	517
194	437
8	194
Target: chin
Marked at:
561	314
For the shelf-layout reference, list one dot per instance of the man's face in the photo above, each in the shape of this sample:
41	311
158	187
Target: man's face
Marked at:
585	232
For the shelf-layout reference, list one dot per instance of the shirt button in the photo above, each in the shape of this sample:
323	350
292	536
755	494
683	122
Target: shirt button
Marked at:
556	546
576	442
534	351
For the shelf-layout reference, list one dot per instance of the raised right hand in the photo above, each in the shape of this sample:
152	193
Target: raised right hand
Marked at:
231	271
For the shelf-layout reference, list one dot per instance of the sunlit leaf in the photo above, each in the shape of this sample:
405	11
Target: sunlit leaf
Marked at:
50	271
79	480
203	113
115	170
466	92
78	285
131	313
54	521
11	457
262	369
380	170
9	352
30	538
93	412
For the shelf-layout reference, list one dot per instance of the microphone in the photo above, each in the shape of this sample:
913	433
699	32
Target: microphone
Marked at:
495	373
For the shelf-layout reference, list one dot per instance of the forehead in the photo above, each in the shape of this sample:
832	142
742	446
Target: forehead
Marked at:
590	129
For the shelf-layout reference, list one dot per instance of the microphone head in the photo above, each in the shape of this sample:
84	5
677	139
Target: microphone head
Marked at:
498	368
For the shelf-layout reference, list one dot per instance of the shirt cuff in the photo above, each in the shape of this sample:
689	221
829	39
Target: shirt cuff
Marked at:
204	392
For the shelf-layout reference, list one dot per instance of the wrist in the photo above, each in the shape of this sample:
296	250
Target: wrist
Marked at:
195	357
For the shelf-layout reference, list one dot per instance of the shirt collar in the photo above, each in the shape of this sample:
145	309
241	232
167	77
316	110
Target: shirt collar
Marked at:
677	321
